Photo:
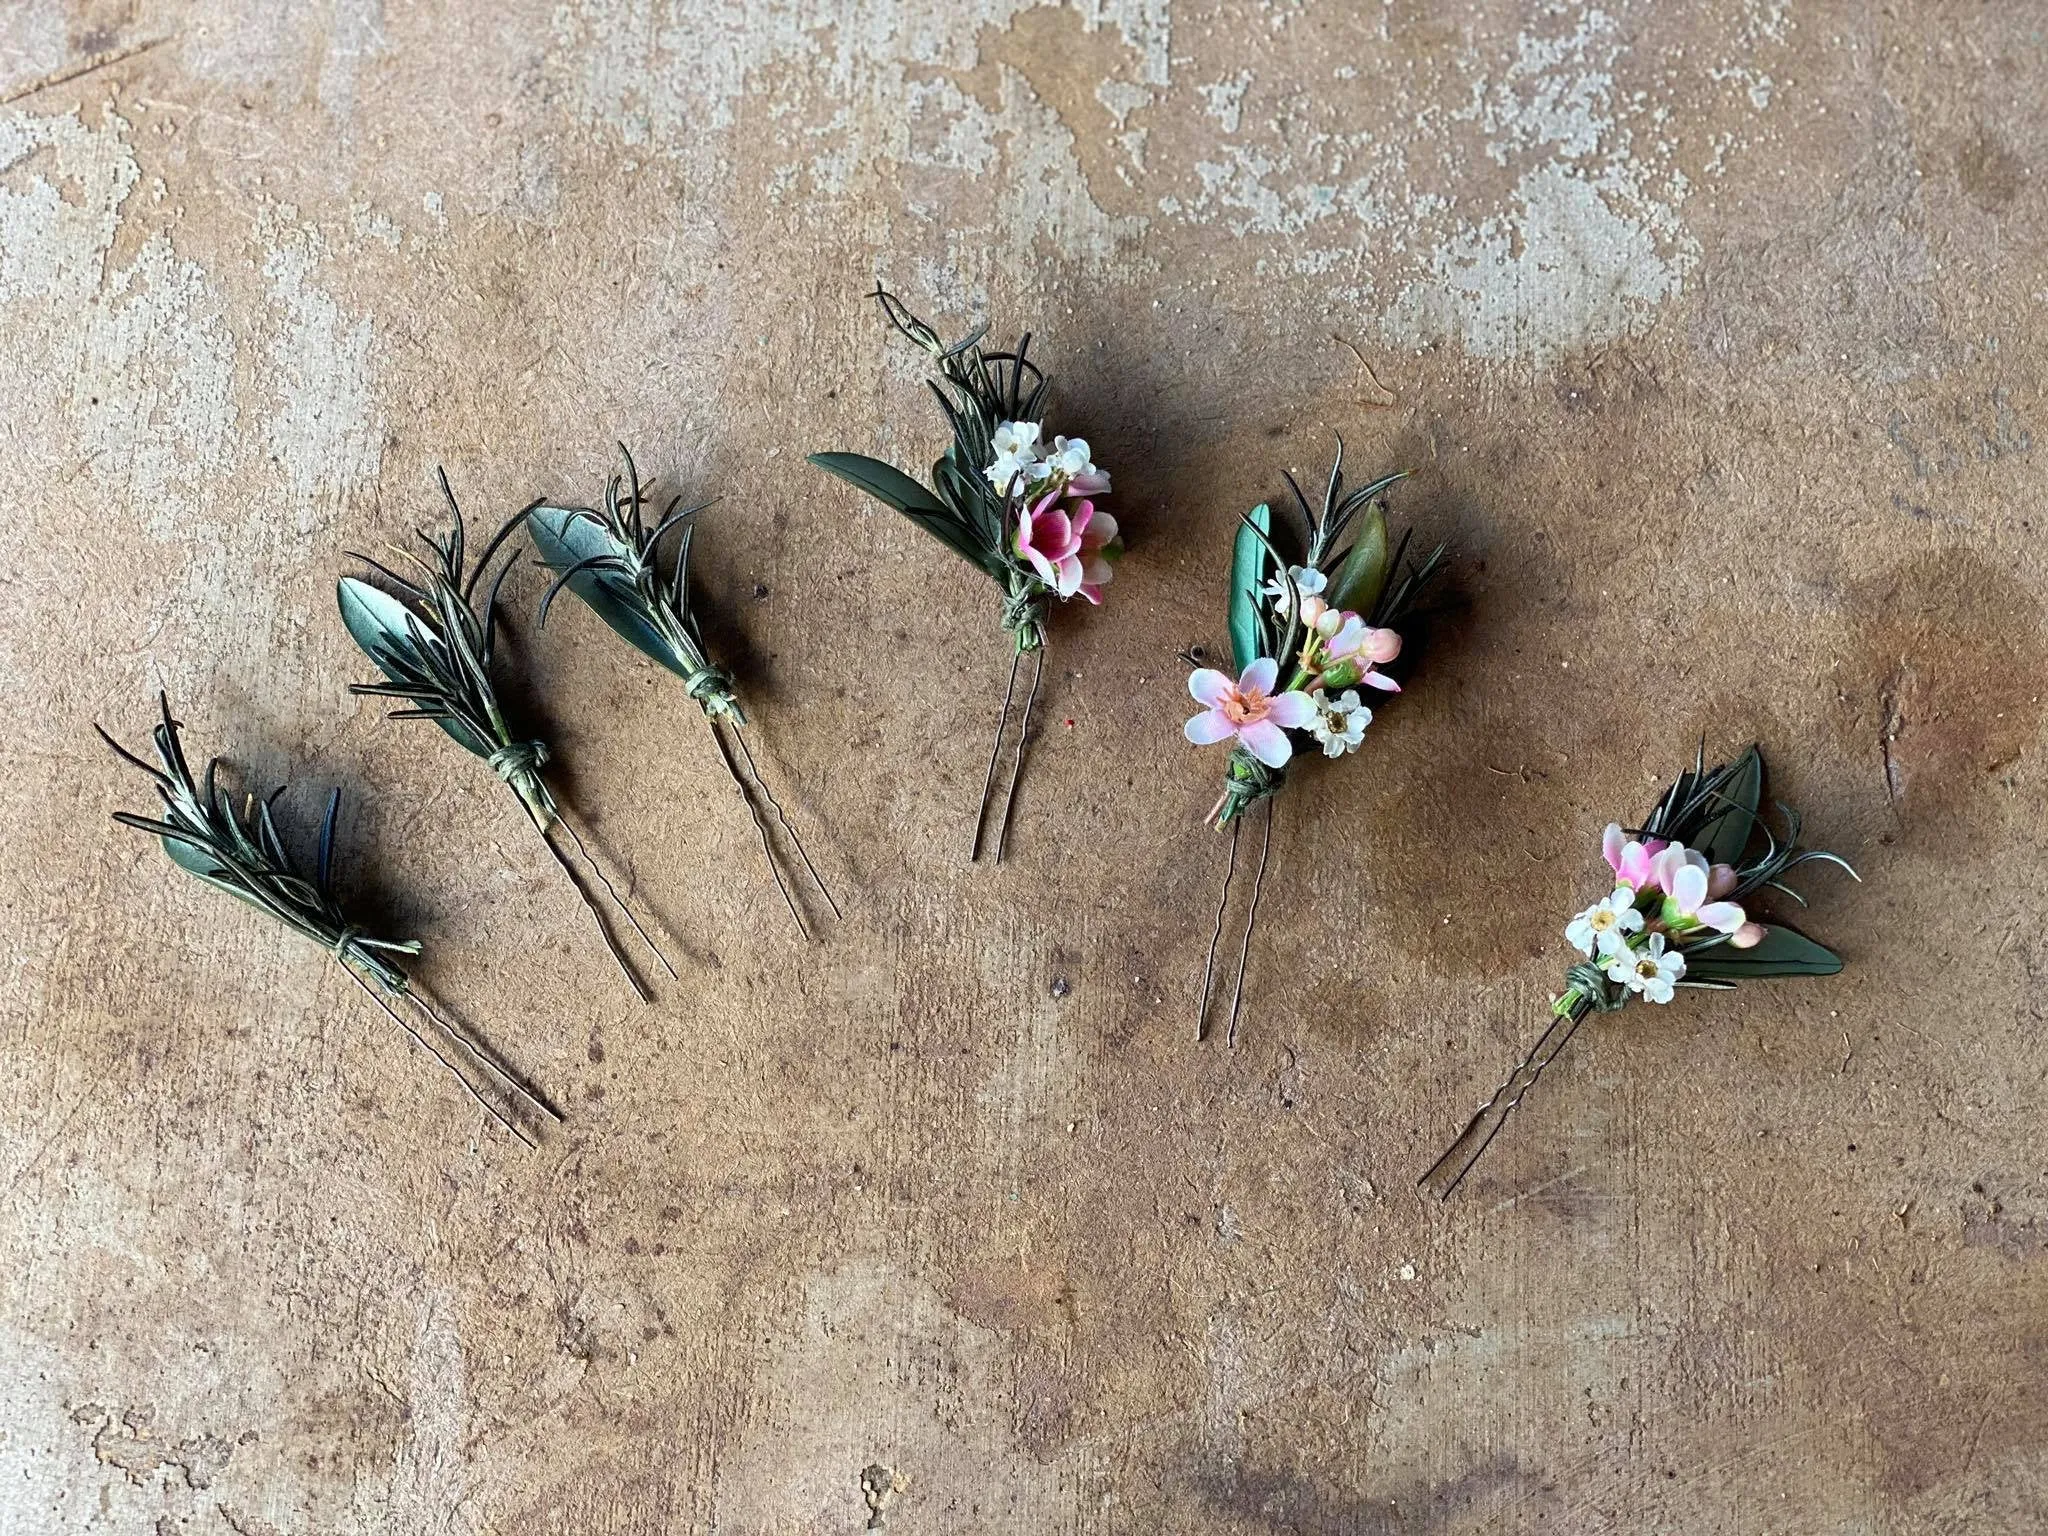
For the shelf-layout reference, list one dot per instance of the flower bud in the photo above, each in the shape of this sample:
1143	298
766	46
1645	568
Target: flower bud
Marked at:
1312	609
1748	936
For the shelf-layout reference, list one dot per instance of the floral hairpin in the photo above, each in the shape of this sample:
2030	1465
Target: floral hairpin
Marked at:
239	851
1678	916
434	647
1017	508
611	561
1329	620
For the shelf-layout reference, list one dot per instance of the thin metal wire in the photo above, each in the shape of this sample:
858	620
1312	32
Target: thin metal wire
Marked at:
617	901
988	780
1023	745
597	916
1529	1064
1216	933
747	752
1250	921
761	831
425	1044
511	1082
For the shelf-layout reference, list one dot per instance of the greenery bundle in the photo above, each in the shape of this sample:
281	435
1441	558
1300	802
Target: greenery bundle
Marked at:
1677	916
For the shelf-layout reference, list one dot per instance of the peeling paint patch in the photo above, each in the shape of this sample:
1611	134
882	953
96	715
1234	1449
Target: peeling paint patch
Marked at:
326	432
137	358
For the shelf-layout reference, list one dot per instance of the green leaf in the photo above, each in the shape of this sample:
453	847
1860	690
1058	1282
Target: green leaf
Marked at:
564	539
1364	571
1248	559
890	486
1739	794
384	628
1780	953
885	482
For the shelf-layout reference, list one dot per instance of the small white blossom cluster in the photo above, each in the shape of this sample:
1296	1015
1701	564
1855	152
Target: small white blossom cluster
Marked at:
1024	466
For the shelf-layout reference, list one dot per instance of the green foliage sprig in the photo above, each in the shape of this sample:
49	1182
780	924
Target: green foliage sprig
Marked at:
434	646
239	850
1678	917
611	559
995	501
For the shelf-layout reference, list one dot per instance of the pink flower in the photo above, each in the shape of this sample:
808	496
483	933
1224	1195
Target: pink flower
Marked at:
1099	542
1358	642
1249	711
1052	541
1630	860
1684	876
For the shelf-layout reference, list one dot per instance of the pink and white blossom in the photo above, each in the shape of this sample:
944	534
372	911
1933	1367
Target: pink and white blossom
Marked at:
1249	712
1628	858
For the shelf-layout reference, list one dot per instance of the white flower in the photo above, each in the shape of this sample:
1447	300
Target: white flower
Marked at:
1017	461
1303	581
1652	970
1340	724
1069	457
1605	924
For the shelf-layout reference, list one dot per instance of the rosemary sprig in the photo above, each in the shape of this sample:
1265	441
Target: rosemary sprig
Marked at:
434	646
1715	813
239	851
611	560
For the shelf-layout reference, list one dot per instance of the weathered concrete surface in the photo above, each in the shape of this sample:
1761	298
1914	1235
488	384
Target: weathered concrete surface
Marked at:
1715	334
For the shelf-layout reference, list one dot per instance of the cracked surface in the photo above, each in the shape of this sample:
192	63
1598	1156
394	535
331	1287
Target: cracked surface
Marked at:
1714	337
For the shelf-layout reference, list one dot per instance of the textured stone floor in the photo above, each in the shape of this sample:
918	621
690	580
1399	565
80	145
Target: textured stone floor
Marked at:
1714	336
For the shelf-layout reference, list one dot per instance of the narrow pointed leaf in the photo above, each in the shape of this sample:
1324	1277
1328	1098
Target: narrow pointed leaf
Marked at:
1739	794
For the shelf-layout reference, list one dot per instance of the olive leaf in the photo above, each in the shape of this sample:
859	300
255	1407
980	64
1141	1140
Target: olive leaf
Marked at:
1363	575
240	851
1781	952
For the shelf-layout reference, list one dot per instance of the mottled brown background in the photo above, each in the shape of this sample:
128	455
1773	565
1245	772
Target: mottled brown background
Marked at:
1714	336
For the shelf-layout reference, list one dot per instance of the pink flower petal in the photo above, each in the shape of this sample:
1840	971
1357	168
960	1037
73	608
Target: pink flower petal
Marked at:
1102	530
1093	592
1688	888
1267	742
1664	867
1080	517
1295	710
1043	566
1096	571
1381	645
1069	581
1211	726
1611	843
1634	869
1381	681
1260	676
1210	687
1093	483
1722	916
